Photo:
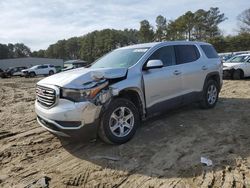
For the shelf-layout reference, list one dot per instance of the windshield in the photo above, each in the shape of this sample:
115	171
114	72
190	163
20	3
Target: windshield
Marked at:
238	59
34	67
121	58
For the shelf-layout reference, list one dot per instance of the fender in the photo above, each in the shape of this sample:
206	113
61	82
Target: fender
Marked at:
213	75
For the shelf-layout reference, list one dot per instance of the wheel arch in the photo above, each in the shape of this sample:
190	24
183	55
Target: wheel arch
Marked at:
134	96
213	76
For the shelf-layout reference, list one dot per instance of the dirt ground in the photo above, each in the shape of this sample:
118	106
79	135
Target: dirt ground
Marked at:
165	151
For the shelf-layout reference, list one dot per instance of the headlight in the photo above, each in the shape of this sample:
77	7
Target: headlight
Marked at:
79	95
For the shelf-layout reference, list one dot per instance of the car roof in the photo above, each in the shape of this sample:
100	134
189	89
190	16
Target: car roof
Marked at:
42	64
153	44
243	55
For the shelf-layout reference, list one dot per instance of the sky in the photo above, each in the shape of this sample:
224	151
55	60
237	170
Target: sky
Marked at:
39	23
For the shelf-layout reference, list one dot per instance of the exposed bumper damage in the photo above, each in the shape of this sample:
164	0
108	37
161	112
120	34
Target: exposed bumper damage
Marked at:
68	118
228	71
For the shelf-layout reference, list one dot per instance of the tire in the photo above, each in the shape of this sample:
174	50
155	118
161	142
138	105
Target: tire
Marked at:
123	130
51	72
237	75
210	95
32	74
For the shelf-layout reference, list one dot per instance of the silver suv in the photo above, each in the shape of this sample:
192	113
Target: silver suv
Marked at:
127	85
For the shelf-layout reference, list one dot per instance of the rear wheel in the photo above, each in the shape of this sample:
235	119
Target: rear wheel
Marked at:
210	95
51	72
119	122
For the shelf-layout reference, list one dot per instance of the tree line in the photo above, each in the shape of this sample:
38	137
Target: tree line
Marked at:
200	25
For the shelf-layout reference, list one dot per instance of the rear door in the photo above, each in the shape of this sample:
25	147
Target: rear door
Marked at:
193	69
45	69
163	85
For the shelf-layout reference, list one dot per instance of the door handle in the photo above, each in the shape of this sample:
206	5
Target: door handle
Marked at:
176	72
204	67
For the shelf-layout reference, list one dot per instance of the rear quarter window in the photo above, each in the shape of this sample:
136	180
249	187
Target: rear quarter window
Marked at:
209	51
186	53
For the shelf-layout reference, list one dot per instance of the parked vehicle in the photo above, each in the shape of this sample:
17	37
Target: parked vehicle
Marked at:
13	71
126	86
45	69
237	67
73	64
1	73
225	56
58	69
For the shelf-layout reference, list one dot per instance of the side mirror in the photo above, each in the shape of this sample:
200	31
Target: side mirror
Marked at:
154	64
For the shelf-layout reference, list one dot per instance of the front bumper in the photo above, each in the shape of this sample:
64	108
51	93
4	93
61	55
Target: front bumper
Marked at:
69	119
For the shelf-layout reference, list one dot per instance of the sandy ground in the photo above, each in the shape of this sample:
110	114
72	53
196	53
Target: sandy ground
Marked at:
165	151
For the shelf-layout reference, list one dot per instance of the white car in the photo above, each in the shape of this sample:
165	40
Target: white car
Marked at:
45	69
237	67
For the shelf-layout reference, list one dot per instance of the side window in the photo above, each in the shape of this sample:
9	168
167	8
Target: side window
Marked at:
51	66
186	53
44	66
40	67
209	51
165	54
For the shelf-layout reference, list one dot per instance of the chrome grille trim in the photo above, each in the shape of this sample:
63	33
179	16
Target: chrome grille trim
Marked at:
47	96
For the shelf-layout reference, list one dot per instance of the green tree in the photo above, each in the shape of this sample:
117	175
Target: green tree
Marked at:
244	19
39	53
214	18
20	50
200	27
161	26
4	51
72	48
146	33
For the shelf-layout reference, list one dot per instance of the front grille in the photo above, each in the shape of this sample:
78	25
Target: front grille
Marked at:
46	96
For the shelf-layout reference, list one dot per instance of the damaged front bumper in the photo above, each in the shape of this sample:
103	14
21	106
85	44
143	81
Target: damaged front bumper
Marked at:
227	72
68	118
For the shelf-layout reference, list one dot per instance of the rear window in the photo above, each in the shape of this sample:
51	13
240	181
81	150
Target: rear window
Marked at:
186	53
209	51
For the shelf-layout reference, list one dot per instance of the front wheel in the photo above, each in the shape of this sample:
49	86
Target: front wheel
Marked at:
119	122
237	75
32	74
210	95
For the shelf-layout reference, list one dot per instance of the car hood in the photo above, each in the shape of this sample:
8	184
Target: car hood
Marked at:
77	77
232	64
28	69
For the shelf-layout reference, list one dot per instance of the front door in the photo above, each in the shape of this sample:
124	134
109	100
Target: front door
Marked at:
247	68
163	85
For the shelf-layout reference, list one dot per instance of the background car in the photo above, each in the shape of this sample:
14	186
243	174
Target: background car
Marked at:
73	64
12	71
45	69
58	69
1	73
237	67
